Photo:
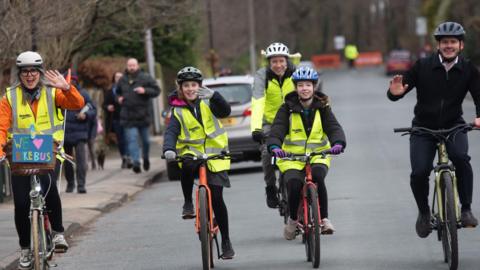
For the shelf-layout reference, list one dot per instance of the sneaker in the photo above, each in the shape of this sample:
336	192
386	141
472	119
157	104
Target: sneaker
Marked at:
188	212
423	225
129	163
468	220
290	229
81	190
25	261
327	226
272	199
60	244
136	168
227	250
70	188
146	165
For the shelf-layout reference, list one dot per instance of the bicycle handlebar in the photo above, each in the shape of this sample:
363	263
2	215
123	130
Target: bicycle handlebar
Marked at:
223	155
302	157
436	132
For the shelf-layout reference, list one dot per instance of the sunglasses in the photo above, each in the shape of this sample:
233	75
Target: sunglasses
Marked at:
31	72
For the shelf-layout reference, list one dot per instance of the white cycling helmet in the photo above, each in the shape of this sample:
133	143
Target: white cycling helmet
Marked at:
277	49
29	59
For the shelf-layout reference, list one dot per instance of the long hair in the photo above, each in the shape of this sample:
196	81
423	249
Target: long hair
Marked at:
16	81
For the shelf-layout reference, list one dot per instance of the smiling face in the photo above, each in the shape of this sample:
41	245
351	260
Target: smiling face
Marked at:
450	47
30	76
190	90
278	64
304	89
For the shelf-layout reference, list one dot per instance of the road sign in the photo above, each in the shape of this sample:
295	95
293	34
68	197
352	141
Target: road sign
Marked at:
339	42
421	26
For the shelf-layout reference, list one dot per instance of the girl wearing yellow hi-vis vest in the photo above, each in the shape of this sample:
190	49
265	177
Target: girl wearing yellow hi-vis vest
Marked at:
194	129
305	123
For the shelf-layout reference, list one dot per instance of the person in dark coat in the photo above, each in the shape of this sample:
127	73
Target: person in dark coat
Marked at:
307	122
76	137
112	120
135	92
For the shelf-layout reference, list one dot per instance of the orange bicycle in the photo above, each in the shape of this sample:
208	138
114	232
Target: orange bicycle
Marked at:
205	224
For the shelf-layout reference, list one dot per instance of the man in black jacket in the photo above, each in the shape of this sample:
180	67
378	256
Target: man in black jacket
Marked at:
442	82
135	91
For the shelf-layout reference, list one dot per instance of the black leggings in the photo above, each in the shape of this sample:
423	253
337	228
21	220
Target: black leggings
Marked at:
295	179
21	188
189	171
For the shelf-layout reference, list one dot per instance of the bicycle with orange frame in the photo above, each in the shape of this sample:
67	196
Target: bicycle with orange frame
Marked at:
205	224
309	216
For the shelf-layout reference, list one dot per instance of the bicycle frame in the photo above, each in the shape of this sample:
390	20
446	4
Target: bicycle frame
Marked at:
202	178
308	182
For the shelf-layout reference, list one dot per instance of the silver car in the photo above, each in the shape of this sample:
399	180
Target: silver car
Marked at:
237	91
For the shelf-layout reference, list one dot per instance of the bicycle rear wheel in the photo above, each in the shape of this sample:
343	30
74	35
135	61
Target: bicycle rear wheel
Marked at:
449	224
313	226
204	229
39	248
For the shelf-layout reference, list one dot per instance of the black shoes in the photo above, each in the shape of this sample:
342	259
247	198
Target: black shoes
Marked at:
81	190
227	250
146	165
70	188
136	168
423	225
188	212
468	220
272	199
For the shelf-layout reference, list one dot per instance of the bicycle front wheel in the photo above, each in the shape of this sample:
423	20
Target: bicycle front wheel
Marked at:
449	224
204	228
39	248
313	225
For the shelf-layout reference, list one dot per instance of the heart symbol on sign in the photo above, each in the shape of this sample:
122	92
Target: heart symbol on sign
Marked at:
38	143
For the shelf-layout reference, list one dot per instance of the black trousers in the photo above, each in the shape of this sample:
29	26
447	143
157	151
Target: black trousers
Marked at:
422	154
189	171
294	182
21	188
81	167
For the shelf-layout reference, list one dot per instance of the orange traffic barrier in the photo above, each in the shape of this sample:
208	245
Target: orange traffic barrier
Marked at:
369	59
326	60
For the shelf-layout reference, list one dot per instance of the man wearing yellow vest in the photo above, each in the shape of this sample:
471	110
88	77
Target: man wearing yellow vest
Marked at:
195	130
305	123
351	54
36	99
270	86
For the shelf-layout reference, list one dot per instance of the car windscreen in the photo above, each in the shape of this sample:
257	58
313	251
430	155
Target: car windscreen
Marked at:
234	93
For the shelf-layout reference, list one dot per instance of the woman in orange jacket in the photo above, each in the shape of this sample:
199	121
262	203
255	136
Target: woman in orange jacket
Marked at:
31	83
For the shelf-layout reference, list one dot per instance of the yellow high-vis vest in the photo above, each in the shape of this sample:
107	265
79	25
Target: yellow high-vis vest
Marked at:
48	119
197	139
296	142
265	108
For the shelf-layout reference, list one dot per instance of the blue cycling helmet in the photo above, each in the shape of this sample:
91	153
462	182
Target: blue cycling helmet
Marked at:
305	74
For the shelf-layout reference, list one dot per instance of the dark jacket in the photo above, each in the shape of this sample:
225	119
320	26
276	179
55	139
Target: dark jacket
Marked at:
110	99
76	129
136	108
440	93
218	105
292	104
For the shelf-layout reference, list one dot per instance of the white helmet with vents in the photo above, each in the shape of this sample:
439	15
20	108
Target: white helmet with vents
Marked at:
277	49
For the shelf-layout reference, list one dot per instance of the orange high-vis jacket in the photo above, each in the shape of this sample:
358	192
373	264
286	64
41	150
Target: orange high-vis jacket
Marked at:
66	99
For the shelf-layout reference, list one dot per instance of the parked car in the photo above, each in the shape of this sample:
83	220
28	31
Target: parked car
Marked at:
237	91
398	62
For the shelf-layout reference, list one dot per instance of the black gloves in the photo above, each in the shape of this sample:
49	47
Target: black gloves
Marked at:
258	136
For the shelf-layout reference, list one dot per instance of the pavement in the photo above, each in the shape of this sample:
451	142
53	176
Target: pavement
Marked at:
107	189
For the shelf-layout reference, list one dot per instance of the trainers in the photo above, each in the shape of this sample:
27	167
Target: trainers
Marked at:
81	190
188	212
327	226
124	163
290	229
60	244
272	199
146	164
227	250
129	163
70	188
25	261
423	225
468	220
136	168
